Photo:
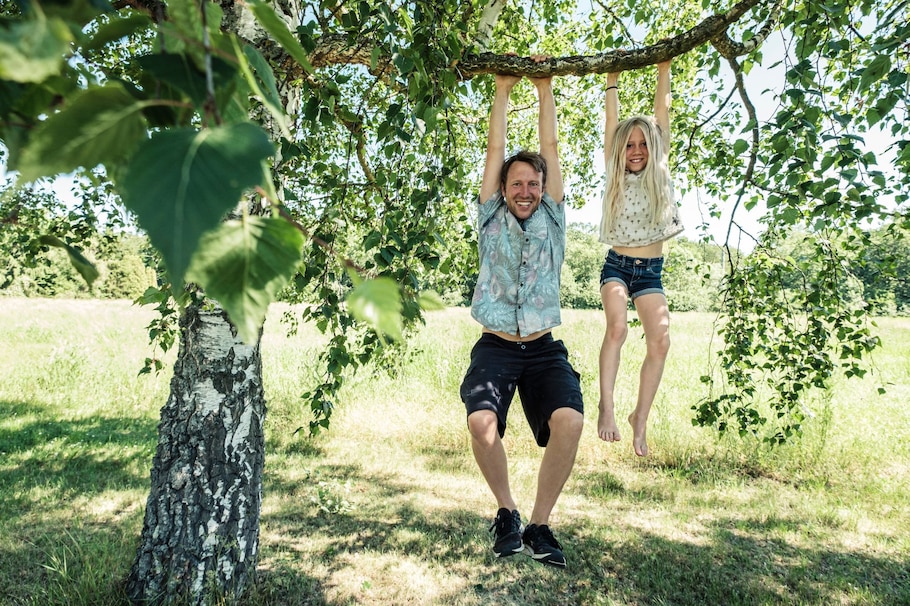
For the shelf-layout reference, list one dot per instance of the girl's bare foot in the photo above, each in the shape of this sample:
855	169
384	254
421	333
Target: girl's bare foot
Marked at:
639	440
606	425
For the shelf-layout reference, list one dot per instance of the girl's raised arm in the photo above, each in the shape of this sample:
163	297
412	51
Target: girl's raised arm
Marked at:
611	114
662	102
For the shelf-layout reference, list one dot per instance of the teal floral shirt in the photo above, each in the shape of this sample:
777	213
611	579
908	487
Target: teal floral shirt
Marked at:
517	288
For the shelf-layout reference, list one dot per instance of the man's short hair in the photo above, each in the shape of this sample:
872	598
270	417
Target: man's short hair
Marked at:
534	159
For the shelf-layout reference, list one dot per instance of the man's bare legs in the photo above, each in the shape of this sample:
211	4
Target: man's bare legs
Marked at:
615	302
655	320
491	455
558	458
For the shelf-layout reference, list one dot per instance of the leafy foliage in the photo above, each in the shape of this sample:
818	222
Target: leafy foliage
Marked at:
815	173
784	343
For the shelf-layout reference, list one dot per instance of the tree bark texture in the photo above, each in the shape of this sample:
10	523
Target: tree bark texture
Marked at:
338	49
200	538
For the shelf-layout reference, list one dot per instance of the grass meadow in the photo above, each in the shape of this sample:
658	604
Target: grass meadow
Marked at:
388	507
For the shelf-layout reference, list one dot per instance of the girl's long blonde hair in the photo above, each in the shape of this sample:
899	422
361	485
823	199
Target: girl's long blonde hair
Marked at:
655	176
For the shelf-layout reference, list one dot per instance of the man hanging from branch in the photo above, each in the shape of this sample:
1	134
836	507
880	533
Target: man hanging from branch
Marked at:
521	222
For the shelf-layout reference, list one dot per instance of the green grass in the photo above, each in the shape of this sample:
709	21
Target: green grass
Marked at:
389	508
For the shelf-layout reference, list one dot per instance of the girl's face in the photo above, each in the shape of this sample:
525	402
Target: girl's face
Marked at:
636	151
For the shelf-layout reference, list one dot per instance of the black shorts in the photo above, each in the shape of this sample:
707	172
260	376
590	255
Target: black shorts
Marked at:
539	369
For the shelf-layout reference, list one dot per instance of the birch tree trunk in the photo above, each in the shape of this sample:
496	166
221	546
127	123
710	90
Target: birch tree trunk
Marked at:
200	538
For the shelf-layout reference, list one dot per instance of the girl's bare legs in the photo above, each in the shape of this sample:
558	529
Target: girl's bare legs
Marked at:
615	302
655	320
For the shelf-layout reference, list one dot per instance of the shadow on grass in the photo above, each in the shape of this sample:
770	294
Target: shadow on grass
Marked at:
344	536
742	567
88	455
52	550
388	550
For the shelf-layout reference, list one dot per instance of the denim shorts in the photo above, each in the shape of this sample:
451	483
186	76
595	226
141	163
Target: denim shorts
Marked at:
541	372
640	276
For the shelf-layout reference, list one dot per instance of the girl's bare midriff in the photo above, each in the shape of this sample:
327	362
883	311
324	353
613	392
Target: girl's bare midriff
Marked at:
642	252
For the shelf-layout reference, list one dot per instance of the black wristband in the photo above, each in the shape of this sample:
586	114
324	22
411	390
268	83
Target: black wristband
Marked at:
609	87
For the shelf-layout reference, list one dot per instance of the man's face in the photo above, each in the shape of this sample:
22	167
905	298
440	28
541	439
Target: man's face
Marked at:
523	190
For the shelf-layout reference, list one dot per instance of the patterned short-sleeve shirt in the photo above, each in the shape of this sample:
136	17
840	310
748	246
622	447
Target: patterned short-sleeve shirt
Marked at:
517	289
633	226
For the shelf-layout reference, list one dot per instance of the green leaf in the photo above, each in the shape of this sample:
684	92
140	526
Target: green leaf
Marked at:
78	12
183	30
430	300
180	183
32	51
378	303
875	71
82	265
117	27
180	72
280	32
244	264
261	80
100	126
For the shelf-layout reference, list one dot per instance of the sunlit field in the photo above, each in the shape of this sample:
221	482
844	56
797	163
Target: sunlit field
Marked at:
388	507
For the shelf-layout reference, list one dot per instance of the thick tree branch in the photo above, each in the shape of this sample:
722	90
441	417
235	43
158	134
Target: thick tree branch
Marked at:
704	32
336	49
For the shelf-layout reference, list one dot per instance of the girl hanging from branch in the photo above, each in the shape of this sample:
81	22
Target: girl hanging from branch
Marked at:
639	215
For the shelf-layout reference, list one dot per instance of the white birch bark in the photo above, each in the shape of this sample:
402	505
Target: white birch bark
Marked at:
200	538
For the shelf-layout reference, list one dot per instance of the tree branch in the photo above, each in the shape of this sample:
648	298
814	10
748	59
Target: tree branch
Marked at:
729	48
753	156
336	49
617	60
622	26
696	128
488	20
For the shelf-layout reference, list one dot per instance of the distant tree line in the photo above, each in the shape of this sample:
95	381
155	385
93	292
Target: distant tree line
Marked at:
128	265
692	272
875	272
38	265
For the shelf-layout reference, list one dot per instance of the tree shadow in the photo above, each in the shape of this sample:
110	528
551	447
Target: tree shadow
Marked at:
333	533
730	561
739	564
49	547
78	456
50	464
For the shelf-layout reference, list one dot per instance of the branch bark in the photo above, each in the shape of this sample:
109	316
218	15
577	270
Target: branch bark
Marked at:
335	49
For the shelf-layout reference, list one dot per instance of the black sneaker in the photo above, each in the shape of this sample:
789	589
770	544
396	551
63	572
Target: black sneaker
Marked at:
506	529
542	545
